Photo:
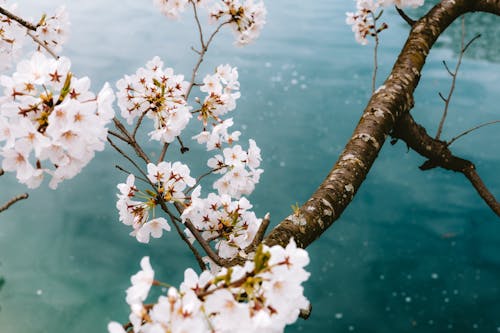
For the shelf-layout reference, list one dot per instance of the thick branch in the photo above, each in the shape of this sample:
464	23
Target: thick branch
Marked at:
385	107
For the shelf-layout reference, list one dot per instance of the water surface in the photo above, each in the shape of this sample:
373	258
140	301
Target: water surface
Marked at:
415	251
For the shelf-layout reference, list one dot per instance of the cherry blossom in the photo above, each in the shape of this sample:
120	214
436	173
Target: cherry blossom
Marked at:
158	94
171	8
51	122
363	21
246	18
263	295
135	206
12	38
53	30
222	90
230	224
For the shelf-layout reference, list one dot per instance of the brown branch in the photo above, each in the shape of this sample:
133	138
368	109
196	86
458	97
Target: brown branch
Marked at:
439	155
392	100
21	21
13	201
405	17
127	137
163	152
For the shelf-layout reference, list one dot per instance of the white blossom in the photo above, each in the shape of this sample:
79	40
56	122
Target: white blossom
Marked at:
158	94
263	295
54	116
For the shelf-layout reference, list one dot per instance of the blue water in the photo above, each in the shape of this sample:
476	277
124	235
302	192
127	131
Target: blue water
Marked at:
415	251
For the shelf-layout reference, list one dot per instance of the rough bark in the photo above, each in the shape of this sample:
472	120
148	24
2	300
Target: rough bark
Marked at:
392	100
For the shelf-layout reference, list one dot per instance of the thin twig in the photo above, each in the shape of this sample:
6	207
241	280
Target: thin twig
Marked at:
375	63
203	243
184	149
259	236
132	142
163	152
139	122
470	42
198	180
405	17
129	173
42	44
375	50
121	152
200	59
13	201
471	130
200	29
21	21
176	220
193	249
447	100
119	136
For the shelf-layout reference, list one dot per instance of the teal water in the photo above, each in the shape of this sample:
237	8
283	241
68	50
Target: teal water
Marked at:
415	251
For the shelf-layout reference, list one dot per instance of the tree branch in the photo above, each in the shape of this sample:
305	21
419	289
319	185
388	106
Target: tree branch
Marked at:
21	21
386	106
439	155
13	201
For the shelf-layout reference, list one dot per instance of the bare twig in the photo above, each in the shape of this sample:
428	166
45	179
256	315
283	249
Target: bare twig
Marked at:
196	254
13	201
139	122
447	100
119	136
259	236
198	180
184	149
129	173
201	57
131	141
405	17
375	52
121	152
375	63
163	152
471	130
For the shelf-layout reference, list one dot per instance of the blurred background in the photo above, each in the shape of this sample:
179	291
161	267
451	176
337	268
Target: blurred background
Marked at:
415	251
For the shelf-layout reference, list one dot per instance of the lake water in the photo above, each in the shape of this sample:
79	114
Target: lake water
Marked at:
415	251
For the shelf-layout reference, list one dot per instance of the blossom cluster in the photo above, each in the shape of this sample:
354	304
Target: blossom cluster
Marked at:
222	90
50	122
134	206
246	18
264	295
158	94
363	22
229	223
51	31
11	38
239	168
